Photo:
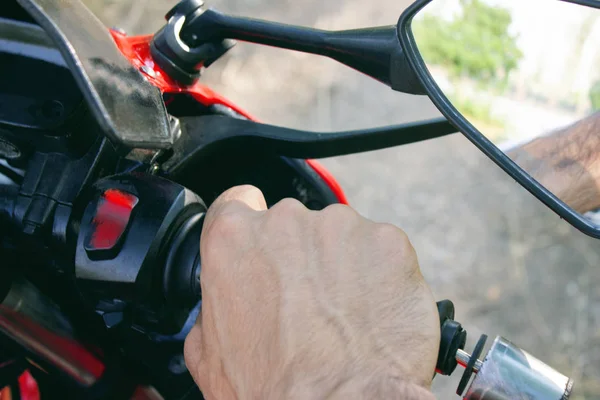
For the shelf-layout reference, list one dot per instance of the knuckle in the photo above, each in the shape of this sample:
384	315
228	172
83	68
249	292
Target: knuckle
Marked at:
287	207
339	210
283	220
335	224
249	189
335	220
237	193
338	214
394	242
392	233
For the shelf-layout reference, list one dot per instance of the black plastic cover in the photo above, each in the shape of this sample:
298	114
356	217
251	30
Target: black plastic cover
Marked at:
181	276
163	206
129	109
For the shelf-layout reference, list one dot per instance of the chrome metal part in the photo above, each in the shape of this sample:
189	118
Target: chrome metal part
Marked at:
463	358
509	373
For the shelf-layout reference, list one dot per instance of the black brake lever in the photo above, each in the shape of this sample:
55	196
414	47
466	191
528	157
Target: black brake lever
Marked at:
207	134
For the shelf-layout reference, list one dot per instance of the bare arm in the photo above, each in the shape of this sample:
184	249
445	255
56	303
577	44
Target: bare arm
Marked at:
567	162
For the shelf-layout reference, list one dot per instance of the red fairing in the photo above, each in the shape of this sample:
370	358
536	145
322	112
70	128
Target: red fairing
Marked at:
137	50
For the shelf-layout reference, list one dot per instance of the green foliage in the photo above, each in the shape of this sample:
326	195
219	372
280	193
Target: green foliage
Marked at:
476	111
475	43
595	96
479	113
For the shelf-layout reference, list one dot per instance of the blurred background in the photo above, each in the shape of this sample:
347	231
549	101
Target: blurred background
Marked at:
512	79
510	265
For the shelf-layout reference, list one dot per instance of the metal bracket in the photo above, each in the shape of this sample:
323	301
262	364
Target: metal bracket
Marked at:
180	61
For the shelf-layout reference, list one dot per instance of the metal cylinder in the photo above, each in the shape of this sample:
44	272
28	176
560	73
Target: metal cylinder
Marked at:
509	373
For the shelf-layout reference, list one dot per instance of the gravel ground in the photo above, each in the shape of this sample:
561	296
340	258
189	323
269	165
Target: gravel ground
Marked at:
511	266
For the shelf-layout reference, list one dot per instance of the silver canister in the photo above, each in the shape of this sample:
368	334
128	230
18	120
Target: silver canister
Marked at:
509	373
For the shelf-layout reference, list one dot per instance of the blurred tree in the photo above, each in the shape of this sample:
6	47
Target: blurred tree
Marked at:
583	60
595	96
475	43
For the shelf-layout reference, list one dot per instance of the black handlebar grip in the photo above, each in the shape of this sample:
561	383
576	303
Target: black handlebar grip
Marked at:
181	279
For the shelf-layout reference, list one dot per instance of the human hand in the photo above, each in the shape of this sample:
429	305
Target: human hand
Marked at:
309	304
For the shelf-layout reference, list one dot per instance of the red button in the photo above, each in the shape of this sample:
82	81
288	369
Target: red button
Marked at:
110	220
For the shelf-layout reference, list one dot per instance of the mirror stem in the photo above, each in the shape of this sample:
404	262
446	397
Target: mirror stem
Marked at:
366	50
375	52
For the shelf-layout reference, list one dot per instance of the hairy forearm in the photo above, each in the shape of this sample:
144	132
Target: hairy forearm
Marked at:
567	162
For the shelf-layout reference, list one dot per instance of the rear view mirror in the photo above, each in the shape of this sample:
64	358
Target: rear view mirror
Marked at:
521	80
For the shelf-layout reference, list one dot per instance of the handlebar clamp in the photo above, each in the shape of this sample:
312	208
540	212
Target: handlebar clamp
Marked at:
180	61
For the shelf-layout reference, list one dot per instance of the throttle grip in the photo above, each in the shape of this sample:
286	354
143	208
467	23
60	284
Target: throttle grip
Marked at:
181	279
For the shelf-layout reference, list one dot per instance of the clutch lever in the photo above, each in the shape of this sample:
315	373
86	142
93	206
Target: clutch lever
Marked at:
204	135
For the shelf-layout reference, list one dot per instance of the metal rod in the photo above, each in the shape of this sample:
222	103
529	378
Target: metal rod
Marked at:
463	358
